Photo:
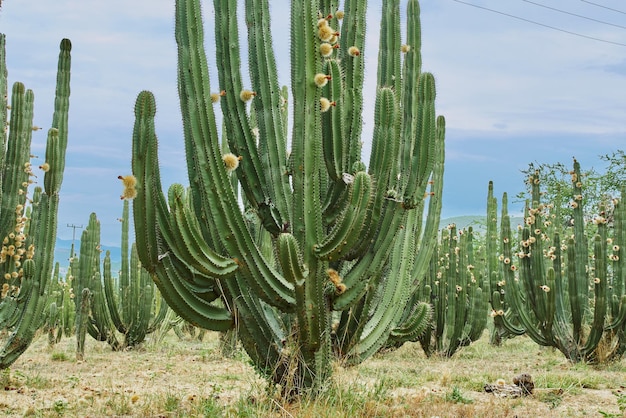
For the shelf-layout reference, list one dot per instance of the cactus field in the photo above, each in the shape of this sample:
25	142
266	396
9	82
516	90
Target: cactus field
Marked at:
291	275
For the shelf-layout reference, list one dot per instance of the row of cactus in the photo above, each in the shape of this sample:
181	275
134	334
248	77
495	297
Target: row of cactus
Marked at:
563	287
334	264
128	304
454	286
28	222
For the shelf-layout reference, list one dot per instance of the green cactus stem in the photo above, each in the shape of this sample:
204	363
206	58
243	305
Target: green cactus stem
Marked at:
28	228
558	297
454	287
323	259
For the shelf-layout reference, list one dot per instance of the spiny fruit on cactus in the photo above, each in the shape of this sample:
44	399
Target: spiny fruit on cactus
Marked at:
323	253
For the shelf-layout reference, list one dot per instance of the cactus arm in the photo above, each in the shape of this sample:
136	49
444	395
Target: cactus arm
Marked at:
389	74
431	227
289	257
421	159
415	325
334	143
353	34
395	291
348	229
145	166
382	160
239	131
267	105
577	275
109	293
187	243
218	200
192	307
55	155
600	291
16	167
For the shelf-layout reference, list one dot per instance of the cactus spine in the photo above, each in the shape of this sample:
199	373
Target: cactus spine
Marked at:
26	258
345	254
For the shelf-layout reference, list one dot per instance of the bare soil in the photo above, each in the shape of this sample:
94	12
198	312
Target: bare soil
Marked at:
174	378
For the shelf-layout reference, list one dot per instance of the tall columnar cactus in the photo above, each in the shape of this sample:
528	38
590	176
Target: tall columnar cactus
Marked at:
454	286
558	294
88	275
26	256
342	246
135	306
493	270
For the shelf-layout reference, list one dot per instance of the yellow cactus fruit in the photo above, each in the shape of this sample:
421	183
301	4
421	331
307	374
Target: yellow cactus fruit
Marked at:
334	276
129	193
353	51
325	104
215	97
321	79
231	161
128	181
340	288
246	95
326	49
325	33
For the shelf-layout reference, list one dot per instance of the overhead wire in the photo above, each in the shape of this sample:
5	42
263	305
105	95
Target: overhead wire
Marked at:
604	7
574	14
593	38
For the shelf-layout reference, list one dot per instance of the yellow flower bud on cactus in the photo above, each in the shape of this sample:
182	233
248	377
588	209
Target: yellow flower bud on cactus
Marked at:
353	51
45	167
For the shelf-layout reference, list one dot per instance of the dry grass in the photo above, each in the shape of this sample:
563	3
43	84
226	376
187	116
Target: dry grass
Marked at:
192	379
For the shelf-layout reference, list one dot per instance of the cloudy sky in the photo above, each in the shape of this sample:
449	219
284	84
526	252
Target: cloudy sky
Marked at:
519	81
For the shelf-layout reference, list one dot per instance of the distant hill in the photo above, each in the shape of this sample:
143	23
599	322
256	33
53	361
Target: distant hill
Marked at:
477	222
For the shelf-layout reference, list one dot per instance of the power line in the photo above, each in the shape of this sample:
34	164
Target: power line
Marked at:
604	7
574	14
540	24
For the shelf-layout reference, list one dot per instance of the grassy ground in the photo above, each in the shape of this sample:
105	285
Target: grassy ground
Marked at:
189	378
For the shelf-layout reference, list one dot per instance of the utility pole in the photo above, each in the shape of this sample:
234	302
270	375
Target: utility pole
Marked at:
73	236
